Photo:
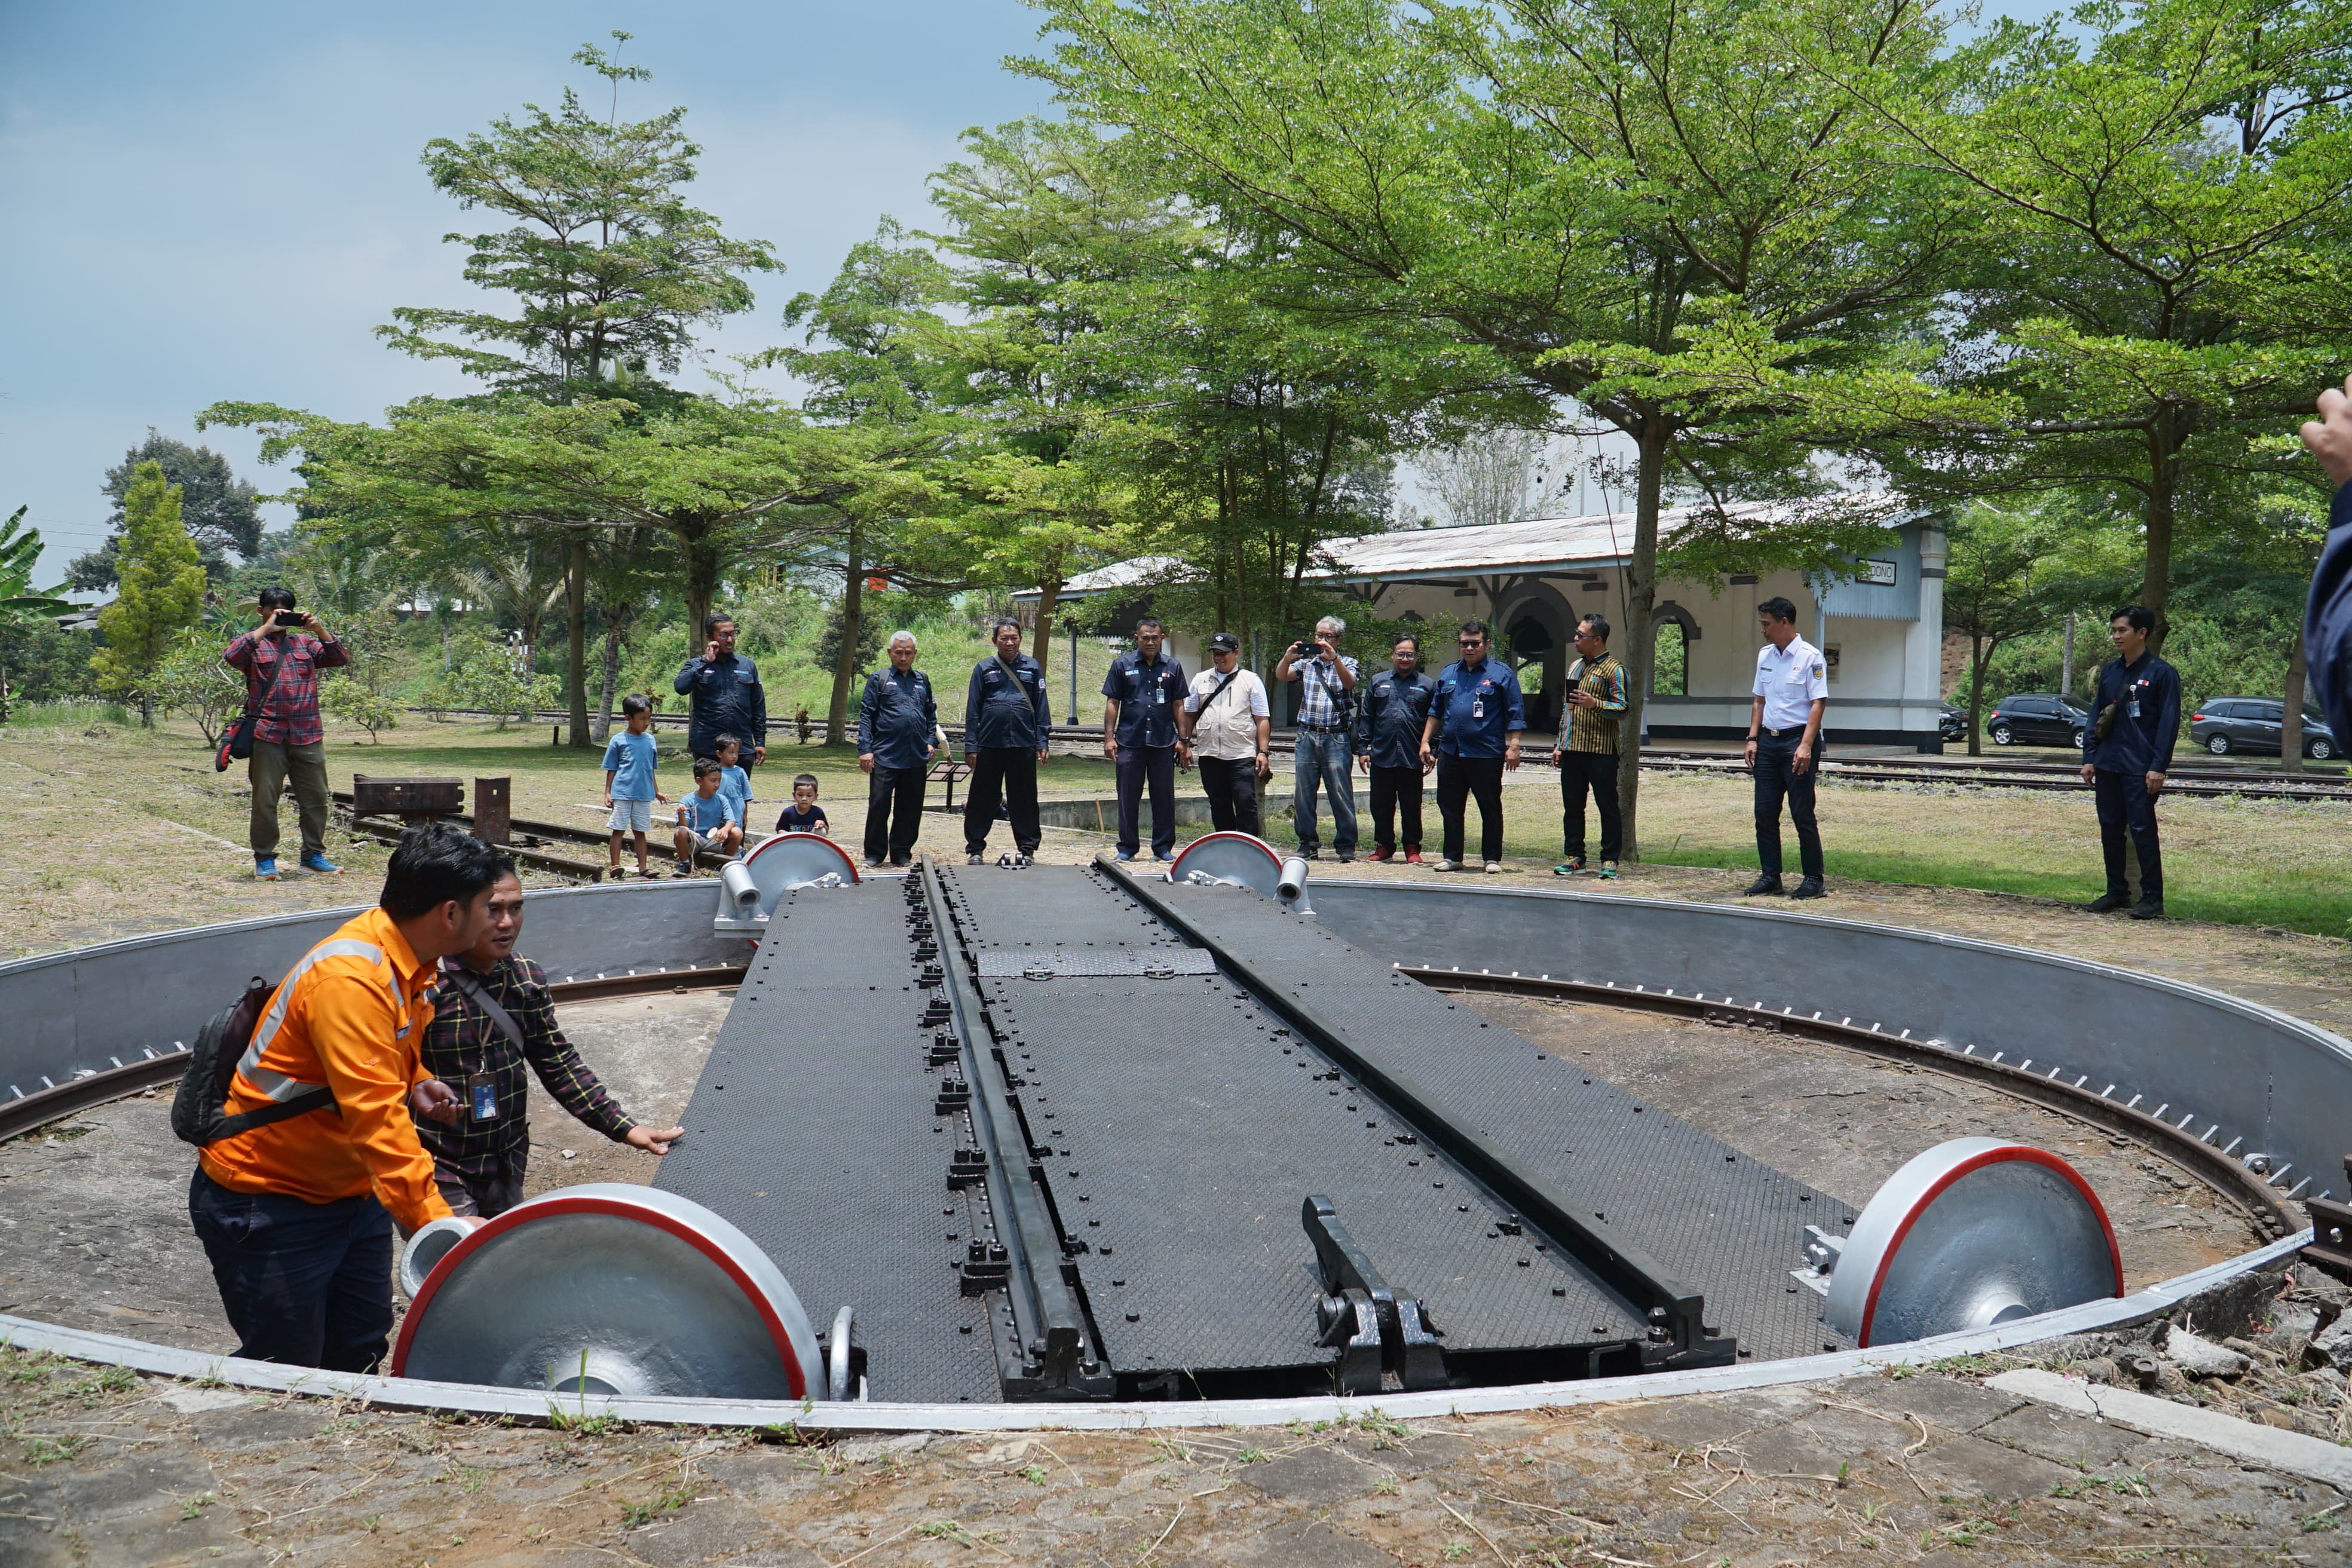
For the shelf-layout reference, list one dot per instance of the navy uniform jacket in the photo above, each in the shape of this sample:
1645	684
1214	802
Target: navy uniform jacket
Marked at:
2327	619
2141	745
896	718
1148	698
1478	708
1390	718
728	700
1006	707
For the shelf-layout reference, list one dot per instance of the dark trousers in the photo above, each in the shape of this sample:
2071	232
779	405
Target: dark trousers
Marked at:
1137	765
274	766
2123	803
1459	778
488	1193
1777	779
1231	789
1396	792
1008	774
1595	771
897	792
305	1284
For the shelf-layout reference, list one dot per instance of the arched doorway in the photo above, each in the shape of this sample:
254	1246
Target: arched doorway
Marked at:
1531	629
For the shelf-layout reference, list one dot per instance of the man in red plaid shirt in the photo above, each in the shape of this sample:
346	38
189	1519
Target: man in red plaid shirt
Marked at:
493	1016
289	742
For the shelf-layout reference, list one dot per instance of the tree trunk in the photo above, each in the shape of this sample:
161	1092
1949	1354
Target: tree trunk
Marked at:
146	709
844	663
2291	728
575	656
2164	479
701	585
1049	594
1641	578
1980	654
602	729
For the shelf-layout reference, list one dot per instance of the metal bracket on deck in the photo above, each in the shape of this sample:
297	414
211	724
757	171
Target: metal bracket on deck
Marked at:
1375	1329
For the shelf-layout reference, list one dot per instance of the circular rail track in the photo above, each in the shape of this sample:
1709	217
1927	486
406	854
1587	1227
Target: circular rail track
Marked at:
2246	1098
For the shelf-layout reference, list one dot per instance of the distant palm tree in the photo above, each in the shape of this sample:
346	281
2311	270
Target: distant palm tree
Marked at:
21	607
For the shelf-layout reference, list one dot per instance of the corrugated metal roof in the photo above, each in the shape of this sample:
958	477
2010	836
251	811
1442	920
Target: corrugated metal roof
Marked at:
1566	544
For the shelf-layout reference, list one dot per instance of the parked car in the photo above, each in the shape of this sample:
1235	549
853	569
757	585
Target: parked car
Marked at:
2226	724
1952	722
2037	719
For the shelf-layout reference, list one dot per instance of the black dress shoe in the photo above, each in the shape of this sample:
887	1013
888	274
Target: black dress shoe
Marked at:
2106	903
2148	909
1761	886
1810	887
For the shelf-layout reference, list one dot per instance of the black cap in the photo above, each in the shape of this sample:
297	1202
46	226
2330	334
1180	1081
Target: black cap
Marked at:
1224	642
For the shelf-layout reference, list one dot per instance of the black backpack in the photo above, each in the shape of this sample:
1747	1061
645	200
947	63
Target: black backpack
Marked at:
200	1106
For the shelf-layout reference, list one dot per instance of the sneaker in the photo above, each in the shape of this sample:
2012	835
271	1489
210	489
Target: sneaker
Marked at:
1309	852
2148	909
683	869
902	861
1165	857
1494	867
321	864
1609	870
1569	867
1447	865
1122	855
265	867
2107	903
873	863
1412	855
1382	856
975	859
1344	856
1762	886
1810	887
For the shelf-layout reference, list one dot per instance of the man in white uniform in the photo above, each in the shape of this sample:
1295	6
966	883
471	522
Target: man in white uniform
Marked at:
1784	739
1230	728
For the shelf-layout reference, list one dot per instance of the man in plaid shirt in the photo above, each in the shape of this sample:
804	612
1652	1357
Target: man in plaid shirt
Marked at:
1325	755
289	742
473	1111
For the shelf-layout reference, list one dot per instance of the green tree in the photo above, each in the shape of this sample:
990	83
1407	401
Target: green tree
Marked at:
221	512
1644	206
192	681
161	594
2163	184
1993	591
25	614
611	267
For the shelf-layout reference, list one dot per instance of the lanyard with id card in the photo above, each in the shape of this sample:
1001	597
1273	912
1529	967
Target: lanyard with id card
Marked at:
482	1088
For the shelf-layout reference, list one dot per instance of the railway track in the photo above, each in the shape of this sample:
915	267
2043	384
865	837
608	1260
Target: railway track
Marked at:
527	842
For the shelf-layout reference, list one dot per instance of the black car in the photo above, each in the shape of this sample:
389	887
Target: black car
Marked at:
1952	722
2037	719
2226	724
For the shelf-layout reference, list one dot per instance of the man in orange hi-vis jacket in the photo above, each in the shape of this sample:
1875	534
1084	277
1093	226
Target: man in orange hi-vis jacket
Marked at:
297	1216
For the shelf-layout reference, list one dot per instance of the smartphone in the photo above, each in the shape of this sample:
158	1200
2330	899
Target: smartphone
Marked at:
288	619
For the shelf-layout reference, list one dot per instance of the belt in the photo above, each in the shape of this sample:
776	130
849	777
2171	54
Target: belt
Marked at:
1326	729
1784	734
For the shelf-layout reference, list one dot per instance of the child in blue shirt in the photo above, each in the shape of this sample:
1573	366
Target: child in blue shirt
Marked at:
706	819
733	780
629	788
803	816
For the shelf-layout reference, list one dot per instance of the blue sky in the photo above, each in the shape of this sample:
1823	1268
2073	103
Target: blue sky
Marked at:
224	200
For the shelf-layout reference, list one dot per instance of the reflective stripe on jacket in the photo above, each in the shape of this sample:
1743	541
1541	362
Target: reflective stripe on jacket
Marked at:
350	1016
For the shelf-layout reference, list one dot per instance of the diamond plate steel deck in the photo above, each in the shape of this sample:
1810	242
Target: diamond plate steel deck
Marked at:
1044	963
1728	1225
813	1130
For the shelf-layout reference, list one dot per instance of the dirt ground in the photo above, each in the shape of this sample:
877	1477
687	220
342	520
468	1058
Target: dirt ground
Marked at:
100	1468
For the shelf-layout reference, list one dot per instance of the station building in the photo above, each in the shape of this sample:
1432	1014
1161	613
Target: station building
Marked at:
1882	627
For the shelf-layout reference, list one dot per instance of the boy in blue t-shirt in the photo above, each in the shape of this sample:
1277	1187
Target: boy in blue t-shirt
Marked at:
803	816
629	789
706	819
733	780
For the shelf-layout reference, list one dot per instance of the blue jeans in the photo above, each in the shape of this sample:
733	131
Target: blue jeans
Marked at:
307	1284
1324	757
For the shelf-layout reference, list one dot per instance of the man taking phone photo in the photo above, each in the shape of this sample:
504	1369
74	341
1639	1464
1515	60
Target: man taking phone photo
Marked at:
280	658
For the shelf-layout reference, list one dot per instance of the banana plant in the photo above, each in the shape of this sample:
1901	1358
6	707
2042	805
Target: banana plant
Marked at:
21	605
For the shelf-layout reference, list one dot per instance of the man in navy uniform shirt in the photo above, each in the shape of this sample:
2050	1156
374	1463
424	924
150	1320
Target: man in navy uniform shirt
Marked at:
1389	722
2327	618
1472	735
2127	752
1140	696
898	731
726	697
1005	728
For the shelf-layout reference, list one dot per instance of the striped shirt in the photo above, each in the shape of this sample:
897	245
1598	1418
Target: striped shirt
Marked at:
1595	728
1320	701
463	1040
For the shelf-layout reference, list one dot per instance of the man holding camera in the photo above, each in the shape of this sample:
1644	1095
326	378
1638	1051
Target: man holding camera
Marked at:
280	660
1325	752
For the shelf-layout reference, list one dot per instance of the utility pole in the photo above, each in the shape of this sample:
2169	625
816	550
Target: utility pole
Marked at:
2066	667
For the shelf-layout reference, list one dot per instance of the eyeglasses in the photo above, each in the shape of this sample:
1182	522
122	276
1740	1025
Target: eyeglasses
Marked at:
1473	642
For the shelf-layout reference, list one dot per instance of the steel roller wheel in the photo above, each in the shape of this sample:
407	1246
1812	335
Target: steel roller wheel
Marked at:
1974	1232
1230	858
610	1288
